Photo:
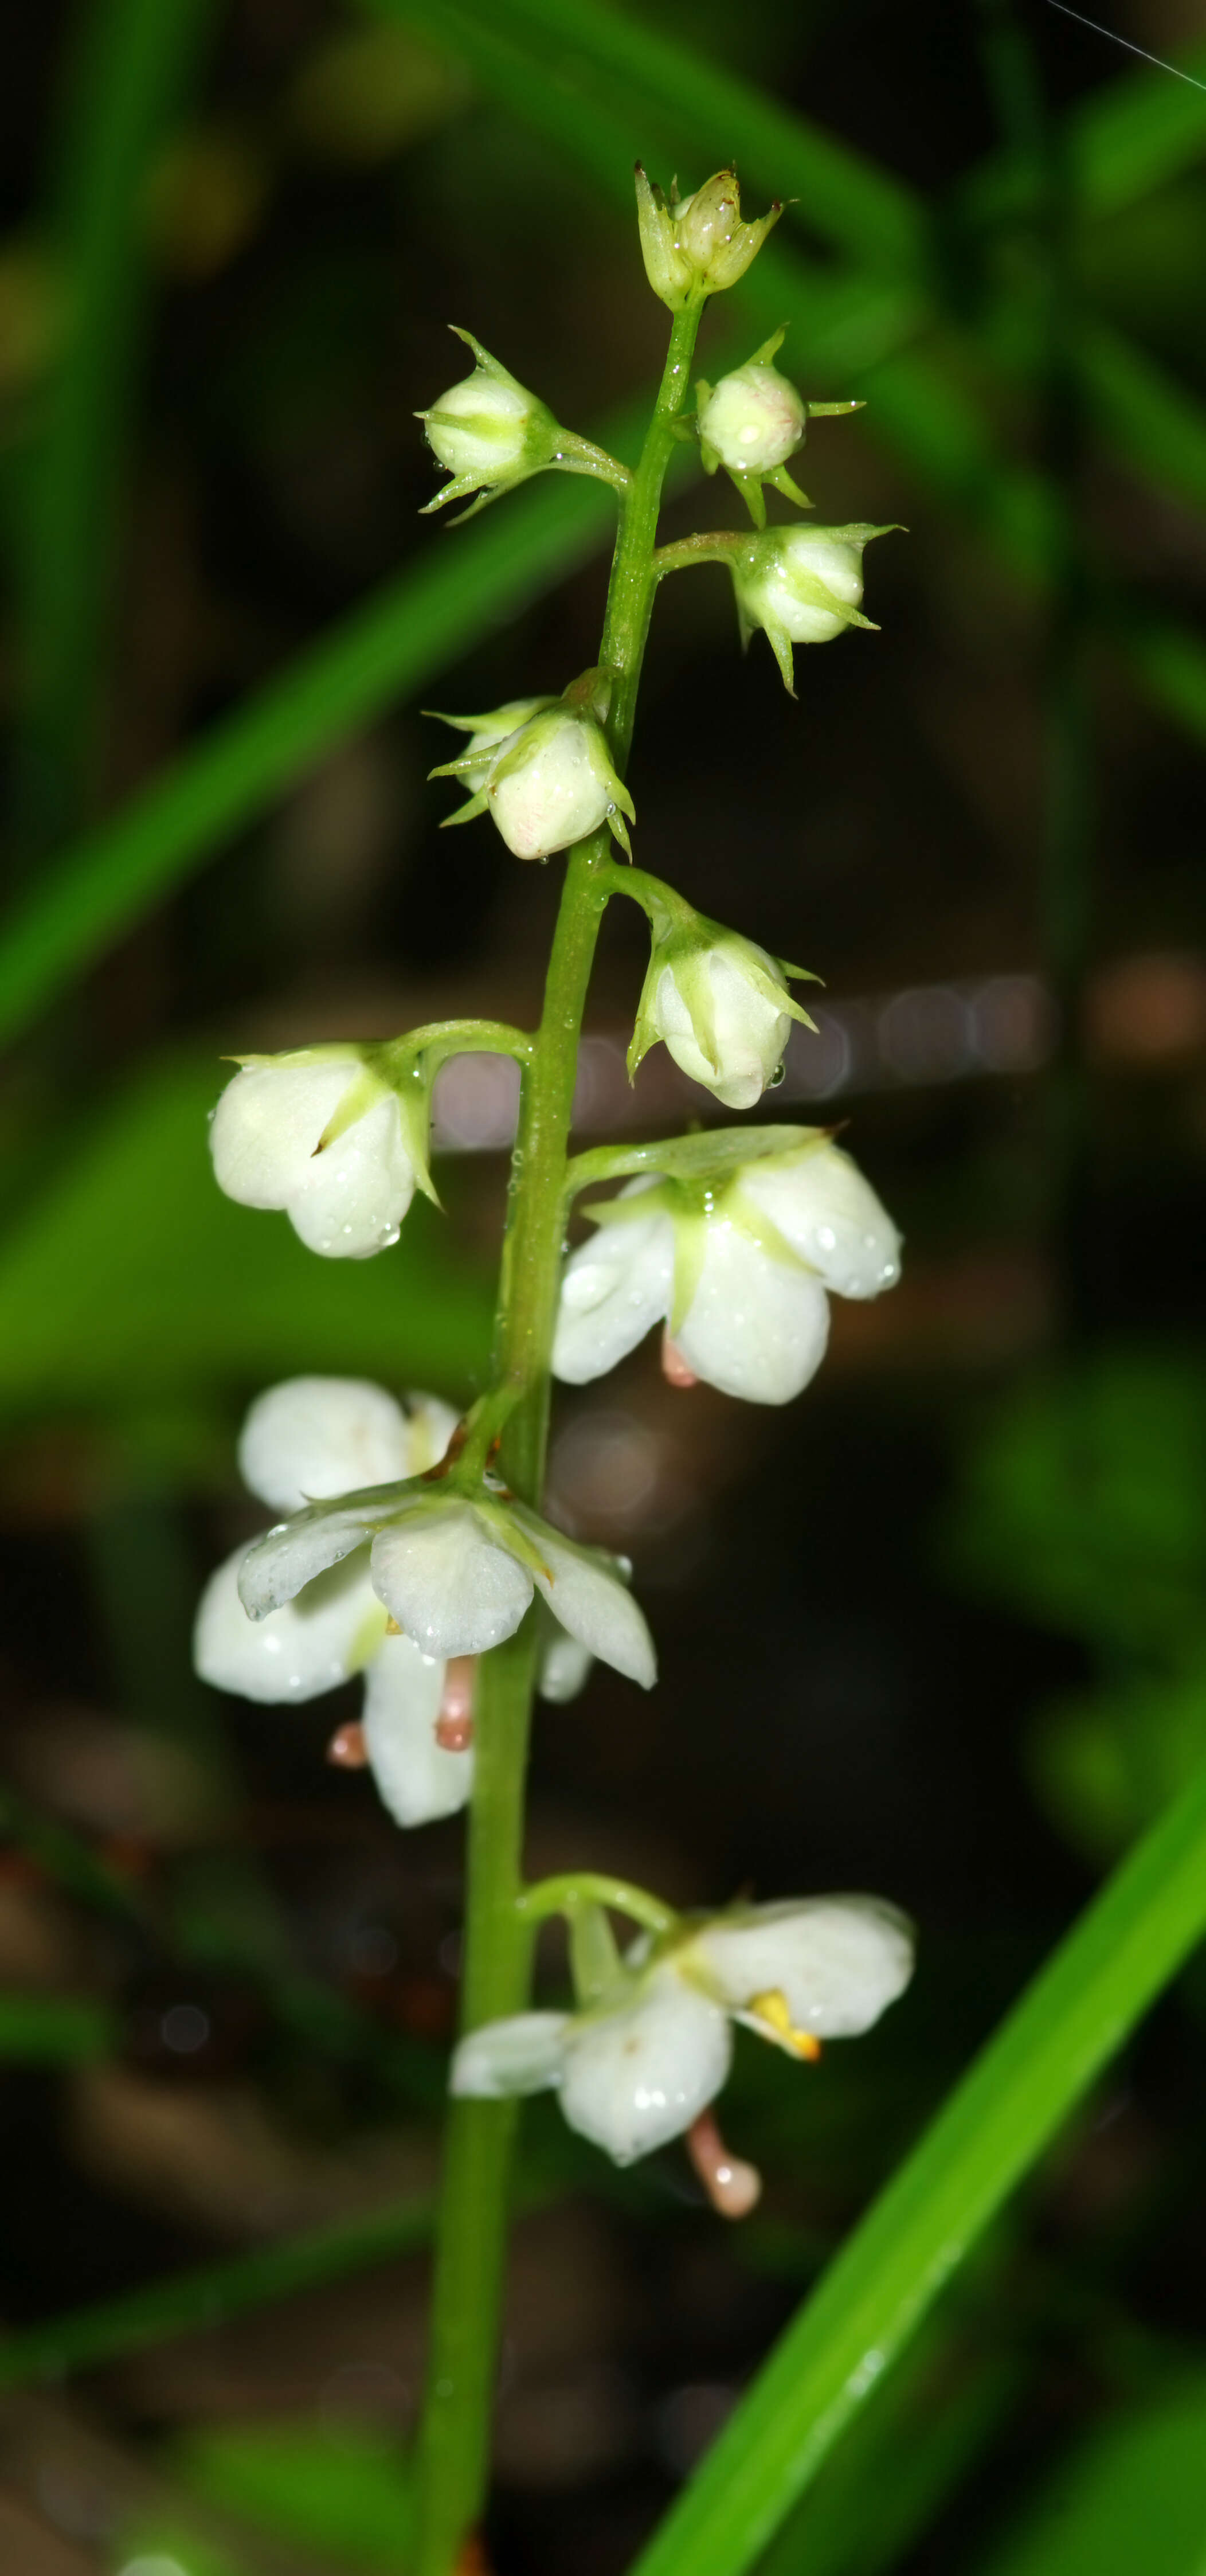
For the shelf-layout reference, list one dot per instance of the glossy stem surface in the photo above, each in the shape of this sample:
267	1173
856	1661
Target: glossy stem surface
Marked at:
454	2440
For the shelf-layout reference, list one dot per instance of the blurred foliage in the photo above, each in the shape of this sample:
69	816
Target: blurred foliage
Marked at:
1133	2492
337	2488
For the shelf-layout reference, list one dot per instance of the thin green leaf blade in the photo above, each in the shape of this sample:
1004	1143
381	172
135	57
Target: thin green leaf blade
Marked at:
1072	2019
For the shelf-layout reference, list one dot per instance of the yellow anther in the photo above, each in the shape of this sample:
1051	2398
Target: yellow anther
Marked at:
772	2009
392	1629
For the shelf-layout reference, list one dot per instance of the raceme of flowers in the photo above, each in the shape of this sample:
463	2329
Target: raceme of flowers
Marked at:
331	1611
740	1270
636	2066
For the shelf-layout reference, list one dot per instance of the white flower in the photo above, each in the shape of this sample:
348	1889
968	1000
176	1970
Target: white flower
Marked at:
752	421
485	733
739	1270
317	1438
487	431
550	781
720	1004
637	2068
803	585
322	1136
695	246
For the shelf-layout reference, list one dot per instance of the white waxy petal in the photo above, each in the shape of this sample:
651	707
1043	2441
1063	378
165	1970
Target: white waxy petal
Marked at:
638	2076
754	419
830	1215
838	1961
308	1646
315	1437
416	1778
447	1583
485	428
750	1033
357	1191
756	1326
594	1606
774	598
615	1289
429	1428
562	790
523	2055
278	1566
564	1664
267	1124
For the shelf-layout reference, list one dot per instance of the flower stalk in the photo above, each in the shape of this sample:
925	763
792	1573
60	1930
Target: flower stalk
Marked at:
475	2192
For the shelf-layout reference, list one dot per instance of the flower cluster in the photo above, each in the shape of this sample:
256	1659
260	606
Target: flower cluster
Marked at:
399	1555
374	1573
739	1263
636	2066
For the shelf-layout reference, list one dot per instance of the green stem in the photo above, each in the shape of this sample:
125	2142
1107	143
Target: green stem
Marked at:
595	1887
471	2241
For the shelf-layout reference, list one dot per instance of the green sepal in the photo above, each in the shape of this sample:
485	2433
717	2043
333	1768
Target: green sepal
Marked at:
710	1154
507	1530
782	481
690	1253
595	1963
466	813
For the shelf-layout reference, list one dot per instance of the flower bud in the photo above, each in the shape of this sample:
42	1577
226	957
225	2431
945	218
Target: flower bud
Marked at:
802	585
550	781
752	421
488	431
721	1006
322	1135
695	246
485	735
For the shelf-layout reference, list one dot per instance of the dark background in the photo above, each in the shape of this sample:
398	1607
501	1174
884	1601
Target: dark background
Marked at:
935	1630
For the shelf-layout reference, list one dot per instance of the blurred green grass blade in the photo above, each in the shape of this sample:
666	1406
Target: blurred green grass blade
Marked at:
1131	2497
631	72
1171	662
207	2296
342	2489
1137	134
182	1290
880	2491
388	649
1139	409
1000	2118
48	2030
128	72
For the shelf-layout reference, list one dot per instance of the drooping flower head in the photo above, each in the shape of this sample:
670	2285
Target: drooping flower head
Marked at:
719	1003
323	1133
638	2065
802	586
319	1616
549	781
752	422
735	1241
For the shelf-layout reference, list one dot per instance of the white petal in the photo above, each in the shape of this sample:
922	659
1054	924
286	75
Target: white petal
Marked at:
614	1289
756	1326
278	1566
523	2055
838	1960
750	1033
315	1437
564	1664
830	1215
558	793
447	1583
308	1646
638	2076
267	1124
594	1606
429	1428
357	1191
416	1778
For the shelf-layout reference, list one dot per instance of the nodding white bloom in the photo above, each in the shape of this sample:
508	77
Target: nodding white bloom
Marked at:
488	431
485	733
740	1268
751	422
491	433
696	246
637	2067
323	1135
551	780
721	1006
312	1440
801	585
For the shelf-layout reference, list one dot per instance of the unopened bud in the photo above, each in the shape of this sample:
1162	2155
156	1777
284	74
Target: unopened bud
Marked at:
696	246
719	1003
801	585
551	781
